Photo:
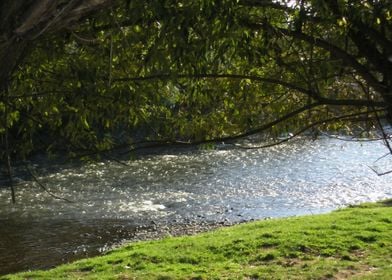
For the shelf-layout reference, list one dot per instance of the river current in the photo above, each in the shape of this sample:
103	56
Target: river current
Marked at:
111	200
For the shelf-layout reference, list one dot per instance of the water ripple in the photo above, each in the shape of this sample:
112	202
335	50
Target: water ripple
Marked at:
302	177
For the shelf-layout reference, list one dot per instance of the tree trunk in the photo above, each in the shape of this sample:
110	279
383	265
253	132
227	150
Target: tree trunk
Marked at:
24	21
11	54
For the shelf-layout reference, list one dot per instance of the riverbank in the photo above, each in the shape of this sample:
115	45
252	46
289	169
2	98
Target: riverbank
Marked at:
354	242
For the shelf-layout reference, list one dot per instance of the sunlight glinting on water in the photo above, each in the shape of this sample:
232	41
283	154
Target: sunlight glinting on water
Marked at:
297	178
110	200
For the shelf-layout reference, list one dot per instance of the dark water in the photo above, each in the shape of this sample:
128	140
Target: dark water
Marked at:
110	200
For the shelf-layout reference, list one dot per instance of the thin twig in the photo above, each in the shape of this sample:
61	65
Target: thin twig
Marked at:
353	139
384	134
302	130
385	139
110	61
55	19
380	174
383	156
44	188
118	161
7	148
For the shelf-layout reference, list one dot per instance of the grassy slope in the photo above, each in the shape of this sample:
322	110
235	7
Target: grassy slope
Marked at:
353	243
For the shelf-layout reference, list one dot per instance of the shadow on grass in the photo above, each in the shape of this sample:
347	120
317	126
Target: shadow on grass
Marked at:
383	203
387	203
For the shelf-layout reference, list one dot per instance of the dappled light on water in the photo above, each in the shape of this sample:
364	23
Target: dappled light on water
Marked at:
302	177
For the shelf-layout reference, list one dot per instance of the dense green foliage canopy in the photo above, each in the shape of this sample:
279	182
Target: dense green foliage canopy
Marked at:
81	78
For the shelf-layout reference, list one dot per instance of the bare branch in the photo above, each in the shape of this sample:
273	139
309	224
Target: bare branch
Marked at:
380	174
307	127
7	148
175	143
384	134
46	16
44	188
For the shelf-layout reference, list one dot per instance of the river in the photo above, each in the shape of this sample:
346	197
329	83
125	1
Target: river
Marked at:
111	202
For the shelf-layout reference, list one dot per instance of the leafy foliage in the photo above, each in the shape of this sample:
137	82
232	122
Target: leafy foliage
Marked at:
200	70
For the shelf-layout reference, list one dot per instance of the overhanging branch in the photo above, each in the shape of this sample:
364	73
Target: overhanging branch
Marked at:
347	117
327	46
288	85
354	117
175	143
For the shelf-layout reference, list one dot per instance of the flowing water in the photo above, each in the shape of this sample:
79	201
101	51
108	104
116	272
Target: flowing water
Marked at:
111	201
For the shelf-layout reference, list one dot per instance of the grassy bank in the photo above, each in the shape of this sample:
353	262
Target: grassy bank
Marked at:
354	243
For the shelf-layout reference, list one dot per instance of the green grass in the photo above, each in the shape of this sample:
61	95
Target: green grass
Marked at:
352	243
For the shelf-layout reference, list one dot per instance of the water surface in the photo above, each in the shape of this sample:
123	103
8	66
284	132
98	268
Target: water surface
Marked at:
111	200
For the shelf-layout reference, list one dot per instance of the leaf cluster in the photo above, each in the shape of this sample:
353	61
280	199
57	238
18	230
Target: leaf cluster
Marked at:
199	70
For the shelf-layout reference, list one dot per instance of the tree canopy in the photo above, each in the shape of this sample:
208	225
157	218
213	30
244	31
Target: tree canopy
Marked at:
94	75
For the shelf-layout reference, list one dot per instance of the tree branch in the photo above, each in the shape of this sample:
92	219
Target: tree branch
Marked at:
44	188
7	155
176	143
327	46
308	92
346	117
265	4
